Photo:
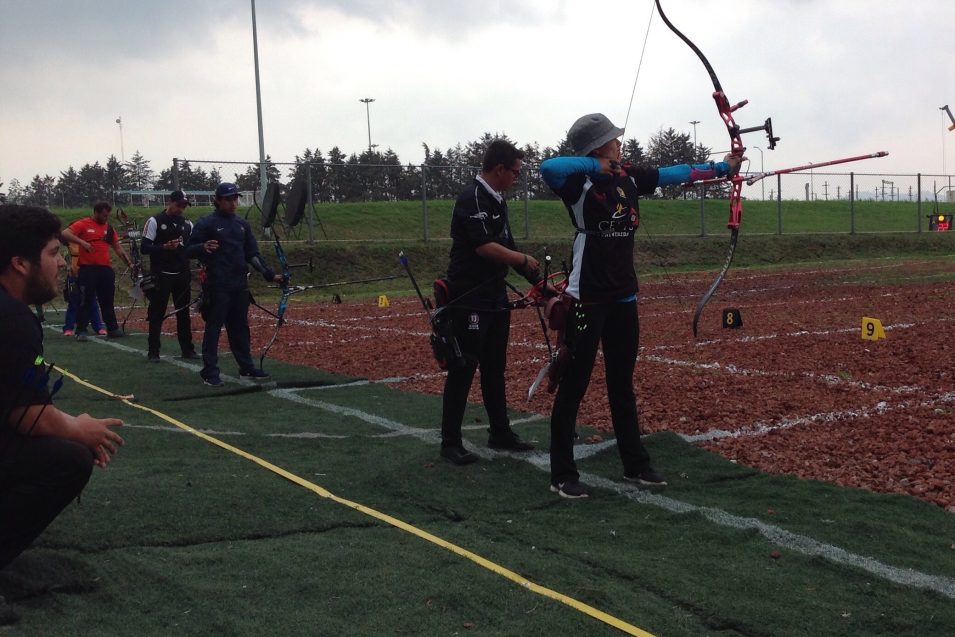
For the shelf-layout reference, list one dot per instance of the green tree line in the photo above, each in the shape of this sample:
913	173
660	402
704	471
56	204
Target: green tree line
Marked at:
370	175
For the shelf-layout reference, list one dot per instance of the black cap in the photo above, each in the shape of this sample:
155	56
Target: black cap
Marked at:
178	196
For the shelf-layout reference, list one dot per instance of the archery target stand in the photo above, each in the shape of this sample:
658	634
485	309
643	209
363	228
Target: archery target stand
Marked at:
732	319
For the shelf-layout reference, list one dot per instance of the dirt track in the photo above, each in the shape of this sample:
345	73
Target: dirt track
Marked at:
796	390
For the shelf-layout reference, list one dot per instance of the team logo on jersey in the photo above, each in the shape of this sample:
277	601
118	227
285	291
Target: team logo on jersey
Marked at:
474	321
620	212
620	192
163	226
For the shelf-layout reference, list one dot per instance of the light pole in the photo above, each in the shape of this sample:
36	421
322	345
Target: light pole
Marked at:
367	101
945	108
122	151
263	170
694	123
762	170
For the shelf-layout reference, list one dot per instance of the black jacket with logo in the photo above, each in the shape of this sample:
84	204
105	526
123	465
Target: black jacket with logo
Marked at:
161	229
478	218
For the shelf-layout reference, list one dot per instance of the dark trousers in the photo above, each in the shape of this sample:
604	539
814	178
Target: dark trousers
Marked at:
96	283
38	478
229	308
483	338
176	286
73	301
617	327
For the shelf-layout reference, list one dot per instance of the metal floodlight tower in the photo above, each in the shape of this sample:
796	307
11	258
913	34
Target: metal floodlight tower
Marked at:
263	173
367	101
693	124
122	151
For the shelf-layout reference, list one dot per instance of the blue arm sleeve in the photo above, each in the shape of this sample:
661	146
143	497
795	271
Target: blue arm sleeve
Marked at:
685	173
556	170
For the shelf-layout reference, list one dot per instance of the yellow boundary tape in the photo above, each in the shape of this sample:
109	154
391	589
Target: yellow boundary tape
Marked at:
384	517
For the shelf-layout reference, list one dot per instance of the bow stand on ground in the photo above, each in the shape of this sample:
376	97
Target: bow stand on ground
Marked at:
287	289
140	283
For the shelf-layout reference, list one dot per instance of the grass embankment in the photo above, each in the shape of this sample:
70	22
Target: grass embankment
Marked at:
364	238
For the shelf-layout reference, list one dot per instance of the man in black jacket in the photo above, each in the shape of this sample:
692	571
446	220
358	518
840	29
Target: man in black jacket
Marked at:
224	243
482	249
164	240
46	455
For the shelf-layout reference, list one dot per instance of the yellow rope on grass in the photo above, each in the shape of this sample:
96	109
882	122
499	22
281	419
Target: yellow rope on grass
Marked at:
384	517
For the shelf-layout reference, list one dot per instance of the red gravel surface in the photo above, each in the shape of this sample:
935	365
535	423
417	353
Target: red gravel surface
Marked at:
795	390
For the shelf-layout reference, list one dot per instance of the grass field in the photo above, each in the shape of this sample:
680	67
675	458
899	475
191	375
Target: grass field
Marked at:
316	505
203	533
547	219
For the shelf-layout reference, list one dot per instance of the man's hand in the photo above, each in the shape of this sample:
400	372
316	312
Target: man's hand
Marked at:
278	278
86	245
211	246
172	244
96	435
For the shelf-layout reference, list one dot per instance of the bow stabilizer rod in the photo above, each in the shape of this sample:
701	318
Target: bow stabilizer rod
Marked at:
752	179
950	116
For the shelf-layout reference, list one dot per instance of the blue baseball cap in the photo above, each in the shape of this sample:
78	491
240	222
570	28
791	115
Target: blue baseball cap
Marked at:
226	189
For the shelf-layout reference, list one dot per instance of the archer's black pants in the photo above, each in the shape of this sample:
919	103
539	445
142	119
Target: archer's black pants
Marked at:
96	283
176	286
38	478
616	326
482	336
229	308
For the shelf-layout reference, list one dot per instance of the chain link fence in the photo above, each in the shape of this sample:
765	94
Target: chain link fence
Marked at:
419	199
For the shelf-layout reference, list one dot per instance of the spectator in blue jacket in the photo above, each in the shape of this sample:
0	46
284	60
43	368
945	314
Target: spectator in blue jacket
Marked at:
224	243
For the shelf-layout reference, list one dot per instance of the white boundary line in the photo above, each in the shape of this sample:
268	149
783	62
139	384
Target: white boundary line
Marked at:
541	460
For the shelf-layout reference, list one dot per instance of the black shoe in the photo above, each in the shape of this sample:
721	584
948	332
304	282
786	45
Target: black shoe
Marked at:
81	337
254	374
458	455
190	355
153	357
509	443
571	489
648	476
117	333
213	381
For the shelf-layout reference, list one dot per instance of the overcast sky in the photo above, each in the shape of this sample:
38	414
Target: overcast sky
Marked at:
838	77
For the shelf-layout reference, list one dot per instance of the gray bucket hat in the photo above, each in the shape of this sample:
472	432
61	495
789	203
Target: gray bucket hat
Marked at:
590	132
